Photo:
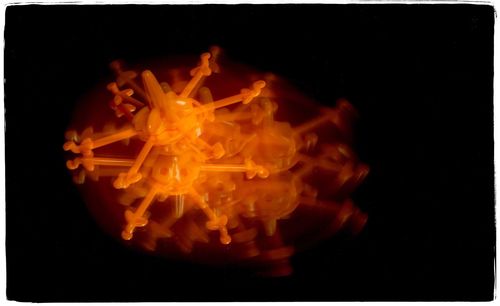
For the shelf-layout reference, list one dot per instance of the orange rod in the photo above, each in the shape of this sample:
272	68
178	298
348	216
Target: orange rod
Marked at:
311	124
224	168
191	85
111	161
146	202
113	138
142	155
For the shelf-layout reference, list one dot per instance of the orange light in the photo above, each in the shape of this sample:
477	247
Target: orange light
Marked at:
228	160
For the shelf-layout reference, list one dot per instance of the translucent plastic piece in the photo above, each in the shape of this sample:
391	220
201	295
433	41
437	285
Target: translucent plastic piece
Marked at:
225	165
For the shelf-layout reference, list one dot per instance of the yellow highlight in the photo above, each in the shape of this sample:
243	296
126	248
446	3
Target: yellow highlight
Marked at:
228	163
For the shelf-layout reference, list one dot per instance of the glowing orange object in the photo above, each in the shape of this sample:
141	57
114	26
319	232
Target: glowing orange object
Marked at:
223	165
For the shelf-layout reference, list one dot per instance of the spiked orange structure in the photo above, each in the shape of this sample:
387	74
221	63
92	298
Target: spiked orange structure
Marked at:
235	164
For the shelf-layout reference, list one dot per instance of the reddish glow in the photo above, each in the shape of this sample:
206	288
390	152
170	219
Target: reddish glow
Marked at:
182	166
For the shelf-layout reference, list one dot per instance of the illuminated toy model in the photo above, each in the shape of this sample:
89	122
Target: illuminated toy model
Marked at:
188	166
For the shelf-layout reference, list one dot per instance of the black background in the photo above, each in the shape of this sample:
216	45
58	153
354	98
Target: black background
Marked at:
421	77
